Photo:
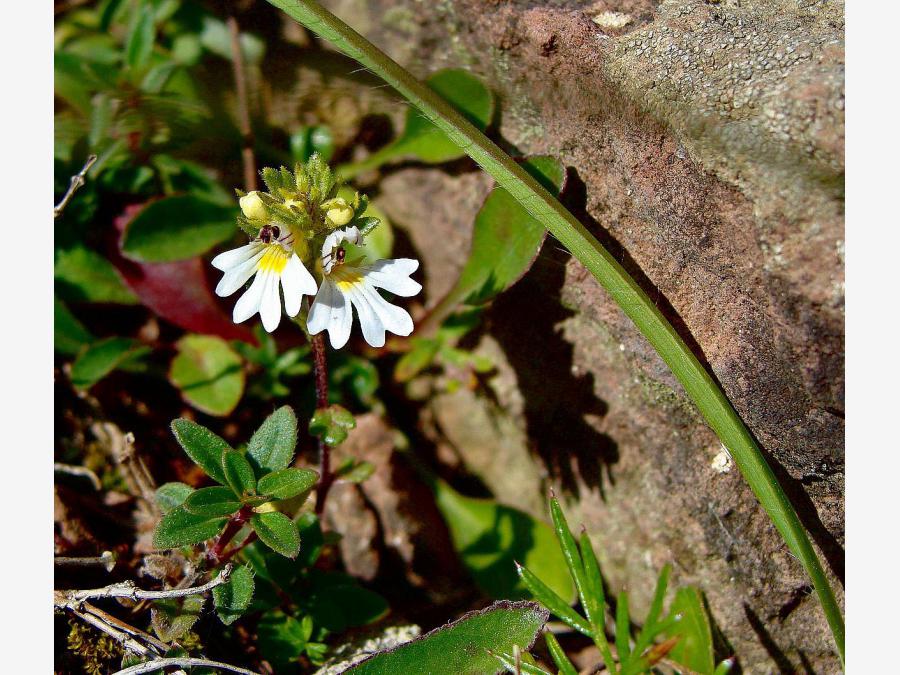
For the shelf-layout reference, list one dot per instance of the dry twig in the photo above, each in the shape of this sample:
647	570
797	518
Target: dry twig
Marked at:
127	589
76	182
157	664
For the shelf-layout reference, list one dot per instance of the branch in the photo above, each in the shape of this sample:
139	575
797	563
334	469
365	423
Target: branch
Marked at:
106	560
158	664
76	182
127	589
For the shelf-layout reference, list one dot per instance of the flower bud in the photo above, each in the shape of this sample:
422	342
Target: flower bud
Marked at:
339	211
253	207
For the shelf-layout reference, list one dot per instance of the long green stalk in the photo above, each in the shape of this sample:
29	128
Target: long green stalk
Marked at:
697	382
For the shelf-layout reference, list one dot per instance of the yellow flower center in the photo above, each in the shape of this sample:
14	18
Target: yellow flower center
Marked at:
274	259
346	278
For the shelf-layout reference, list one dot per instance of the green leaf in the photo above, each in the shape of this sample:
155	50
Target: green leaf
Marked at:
278	532
651	624
309	140
595	600
697	381
332	424
209	374
232	598
172	618
272	446
170	495
177	228
506	238
101	358
212	502
83	275
491	537
203	447
216	37
178	527
238	473
282	639
421	138
345	604
287	483
141	34
694	649
462	646
69	334
420	356
355	472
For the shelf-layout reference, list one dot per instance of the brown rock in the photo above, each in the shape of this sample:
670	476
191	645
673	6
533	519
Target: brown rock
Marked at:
706	143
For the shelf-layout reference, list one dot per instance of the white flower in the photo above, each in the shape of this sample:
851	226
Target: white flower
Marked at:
345	285
272	259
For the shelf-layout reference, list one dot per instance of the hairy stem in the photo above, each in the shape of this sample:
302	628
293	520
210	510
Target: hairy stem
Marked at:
698	383
232	527
320	366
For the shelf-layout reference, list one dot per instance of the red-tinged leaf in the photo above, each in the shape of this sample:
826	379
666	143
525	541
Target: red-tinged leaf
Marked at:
178	292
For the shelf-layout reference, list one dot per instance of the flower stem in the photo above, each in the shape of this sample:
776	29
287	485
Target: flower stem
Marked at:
320	367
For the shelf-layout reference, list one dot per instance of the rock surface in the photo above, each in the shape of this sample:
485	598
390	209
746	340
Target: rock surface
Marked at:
705	141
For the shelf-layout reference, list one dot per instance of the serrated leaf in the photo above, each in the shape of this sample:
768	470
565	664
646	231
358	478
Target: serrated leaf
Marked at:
170	495
694	648
238	473
490	538
209	374
180	528
232	598
139	42
203	447
462	646
332	424
172	618
177	228
272	446
212	502
101	358
287	483
83	275
278	532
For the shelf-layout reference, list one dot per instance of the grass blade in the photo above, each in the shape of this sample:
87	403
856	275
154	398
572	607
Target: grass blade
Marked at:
623	627
545	595
697	382
509	663
650	629
559	656
596	600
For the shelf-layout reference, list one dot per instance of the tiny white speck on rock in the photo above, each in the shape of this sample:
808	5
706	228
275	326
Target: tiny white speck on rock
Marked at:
722	462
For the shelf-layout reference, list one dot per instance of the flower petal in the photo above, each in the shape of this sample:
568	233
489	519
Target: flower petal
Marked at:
237	276
333	240
296	281
248	304
372	328
395	319
331	311
225	261
270	304
393	276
